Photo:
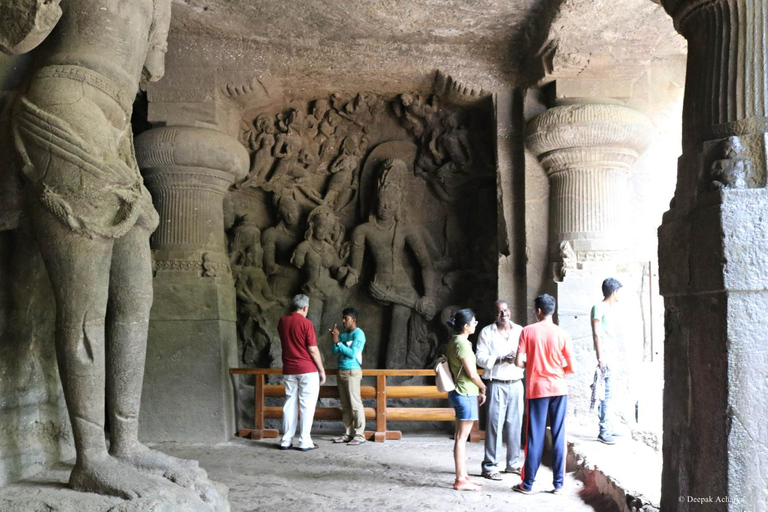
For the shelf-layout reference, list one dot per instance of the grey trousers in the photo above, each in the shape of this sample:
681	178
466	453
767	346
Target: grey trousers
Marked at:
504	424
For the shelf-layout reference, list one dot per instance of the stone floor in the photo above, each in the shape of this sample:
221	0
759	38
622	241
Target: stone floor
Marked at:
413	474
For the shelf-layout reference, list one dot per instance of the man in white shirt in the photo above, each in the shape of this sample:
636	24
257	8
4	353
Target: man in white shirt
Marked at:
496	349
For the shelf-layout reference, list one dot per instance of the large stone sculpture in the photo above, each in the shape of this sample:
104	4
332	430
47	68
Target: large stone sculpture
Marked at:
387	238
93	217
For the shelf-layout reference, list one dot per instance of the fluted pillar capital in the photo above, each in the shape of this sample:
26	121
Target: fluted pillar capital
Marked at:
587	150
595	132
188	171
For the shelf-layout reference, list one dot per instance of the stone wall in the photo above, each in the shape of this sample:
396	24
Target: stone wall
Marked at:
34	427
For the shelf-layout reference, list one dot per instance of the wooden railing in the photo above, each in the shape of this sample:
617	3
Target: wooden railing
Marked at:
381	413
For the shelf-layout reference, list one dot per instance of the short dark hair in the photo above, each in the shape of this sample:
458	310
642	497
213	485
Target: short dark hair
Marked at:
351	312
546	303
461	318
610	285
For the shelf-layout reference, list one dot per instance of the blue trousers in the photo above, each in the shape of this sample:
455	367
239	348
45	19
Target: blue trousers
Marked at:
539	409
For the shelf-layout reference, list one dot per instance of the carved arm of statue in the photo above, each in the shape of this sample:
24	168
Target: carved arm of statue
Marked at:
416	241
154	64
356	257
26	24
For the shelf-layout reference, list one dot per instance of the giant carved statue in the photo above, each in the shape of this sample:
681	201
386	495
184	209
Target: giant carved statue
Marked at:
93	216
386	238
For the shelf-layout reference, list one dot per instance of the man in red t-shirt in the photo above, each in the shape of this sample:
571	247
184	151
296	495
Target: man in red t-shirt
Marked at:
545	351
303	373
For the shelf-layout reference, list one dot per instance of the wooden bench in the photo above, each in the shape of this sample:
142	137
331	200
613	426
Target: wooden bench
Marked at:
381	413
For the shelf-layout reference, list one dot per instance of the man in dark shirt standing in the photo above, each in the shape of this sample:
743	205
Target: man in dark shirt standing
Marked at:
303	373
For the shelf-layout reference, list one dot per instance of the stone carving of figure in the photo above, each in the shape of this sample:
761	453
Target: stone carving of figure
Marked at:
279	242
733	170
288	143
261	144
93	216
318	255
343	181
254	296
386	238
452	144
416	115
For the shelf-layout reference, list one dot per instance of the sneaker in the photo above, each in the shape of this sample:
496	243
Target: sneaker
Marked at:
606	439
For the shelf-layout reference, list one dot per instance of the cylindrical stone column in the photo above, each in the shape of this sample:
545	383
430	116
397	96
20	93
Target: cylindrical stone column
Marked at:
192	339
587	151
188	172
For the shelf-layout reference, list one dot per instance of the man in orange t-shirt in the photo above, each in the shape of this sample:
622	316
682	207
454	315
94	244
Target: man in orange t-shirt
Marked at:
545	351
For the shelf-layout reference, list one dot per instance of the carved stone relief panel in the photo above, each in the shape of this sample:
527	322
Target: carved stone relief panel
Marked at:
386	204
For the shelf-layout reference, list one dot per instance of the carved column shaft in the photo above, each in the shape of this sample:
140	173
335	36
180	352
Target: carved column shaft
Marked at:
189	200
727	87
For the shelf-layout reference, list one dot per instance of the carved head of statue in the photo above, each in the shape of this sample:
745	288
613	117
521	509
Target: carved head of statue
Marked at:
406	99
264	123
320	108
322	225
288	211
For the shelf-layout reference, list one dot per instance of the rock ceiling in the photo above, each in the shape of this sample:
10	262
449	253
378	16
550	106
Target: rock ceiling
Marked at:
527	40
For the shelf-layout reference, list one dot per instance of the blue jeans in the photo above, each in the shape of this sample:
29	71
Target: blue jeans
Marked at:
604	407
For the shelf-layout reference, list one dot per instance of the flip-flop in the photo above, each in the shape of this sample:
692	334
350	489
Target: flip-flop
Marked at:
558	491
492	475
521	489
285	446
313	447
465	485
355	442
339	440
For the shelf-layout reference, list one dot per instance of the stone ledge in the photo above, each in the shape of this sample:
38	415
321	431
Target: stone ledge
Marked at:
624	477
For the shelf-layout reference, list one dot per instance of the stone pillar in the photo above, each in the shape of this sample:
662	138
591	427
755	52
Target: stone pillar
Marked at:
713	256
192	333
587	150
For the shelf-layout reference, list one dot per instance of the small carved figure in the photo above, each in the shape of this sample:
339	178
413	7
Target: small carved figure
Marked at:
279	243
246	236
387	239
261	144
734	170
343	180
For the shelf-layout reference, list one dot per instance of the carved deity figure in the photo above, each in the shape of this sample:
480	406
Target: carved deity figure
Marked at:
92	217
261	144
254	297
343	181
288	143
279	242
733	170
387	238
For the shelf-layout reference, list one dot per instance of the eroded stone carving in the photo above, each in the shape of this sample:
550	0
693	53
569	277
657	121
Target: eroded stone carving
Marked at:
387	237
734	170
93	216
332	150
320	255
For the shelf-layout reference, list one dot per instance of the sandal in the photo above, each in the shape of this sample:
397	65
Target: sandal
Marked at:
339	440
465	485
356	442
558	491
521	489
308	448
492	475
